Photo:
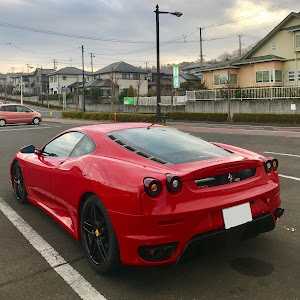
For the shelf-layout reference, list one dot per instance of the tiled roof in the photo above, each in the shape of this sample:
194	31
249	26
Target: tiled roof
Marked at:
120	67
194	66
69	71
190	77
260	59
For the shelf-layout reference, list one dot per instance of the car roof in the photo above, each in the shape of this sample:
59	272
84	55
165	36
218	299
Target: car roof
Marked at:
108	127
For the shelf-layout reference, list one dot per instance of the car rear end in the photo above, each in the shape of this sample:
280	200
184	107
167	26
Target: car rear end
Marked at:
228	193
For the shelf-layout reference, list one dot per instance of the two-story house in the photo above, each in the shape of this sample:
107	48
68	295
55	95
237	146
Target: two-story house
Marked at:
274	61
124	75
65	77
41	80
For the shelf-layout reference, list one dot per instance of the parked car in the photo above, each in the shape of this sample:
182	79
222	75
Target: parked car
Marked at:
143	193
17	113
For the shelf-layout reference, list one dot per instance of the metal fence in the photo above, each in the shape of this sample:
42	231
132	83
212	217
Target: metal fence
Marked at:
245	94
165	100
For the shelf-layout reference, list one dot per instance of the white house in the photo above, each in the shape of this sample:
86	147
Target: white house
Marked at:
124	75
65	77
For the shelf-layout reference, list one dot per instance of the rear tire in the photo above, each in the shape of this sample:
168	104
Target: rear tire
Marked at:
2	123
98	236
19	184
36	121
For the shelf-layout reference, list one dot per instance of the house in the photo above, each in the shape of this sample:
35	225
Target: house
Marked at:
274	61
41	80
194	69
65	77
24	79
188	78
104	85
166	78
124	75
2	80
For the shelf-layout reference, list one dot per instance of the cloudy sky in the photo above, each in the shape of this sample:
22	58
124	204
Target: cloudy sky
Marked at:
116	30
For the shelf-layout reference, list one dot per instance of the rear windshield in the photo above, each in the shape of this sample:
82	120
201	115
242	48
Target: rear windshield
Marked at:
171	145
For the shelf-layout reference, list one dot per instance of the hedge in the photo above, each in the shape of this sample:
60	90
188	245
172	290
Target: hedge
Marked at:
267	118
191	116
121	117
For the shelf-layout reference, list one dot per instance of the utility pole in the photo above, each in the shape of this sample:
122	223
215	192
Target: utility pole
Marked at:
12	69
28	66
83	91
54	63
70	60
240	45
22	88
228	97
92	55
42	84
201	55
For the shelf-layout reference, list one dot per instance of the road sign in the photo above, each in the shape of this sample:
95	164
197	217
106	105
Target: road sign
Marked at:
129	100
175	77
64	89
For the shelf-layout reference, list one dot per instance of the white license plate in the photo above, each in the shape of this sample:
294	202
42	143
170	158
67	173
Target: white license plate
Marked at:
237	215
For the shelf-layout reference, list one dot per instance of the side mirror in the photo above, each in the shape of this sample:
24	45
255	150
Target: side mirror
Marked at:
28	149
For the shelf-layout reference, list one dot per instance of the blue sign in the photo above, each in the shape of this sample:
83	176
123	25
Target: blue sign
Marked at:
64	89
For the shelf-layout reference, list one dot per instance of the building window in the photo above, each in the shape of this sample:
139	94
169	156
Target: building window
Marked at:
291	76
55	79
125	76
136	76
297	42
274	46
51	79
221	79
268	76
64	78
37	79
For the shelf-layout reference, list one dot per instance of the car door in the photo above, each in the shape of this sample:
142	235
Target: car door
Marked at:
23	114
71	175
40	177
10	114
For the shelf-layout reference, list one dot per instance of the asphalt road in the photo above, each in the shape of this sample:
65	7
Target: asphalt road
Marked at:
265	267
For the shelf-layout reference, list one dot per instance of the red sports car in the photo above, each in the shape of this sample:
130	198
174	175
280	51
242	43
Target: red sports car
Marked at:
141	194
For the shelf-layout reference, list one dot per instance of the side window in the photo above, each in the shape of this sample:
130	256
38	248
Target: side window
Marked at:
2	108
85	146
63	145
11	108
21	108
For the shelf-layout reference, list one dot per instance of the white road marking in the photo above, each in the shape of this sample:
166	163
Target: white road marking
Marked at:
14	129
289	177
286	154
80	286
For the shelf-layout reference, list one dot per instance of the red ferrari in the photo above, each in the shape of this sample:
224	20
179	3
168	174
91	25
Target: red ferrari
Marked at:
141	194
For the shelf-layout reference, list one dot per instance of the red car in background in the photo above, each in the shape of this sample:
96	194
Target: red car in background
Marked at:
17	113
141	194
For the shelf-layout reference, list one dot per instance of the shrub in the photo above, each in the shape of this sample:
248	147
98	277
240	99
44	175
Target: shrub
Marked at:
190	116
72	114
121	117
267	118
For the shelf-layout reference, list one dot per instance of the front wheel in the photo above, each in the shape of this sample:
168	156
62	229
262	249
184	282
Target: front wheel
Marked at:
98	236
19	184
36	121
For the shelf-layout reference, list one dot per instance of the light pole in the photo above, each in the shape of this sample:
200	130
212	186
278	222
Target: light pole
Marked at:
157	12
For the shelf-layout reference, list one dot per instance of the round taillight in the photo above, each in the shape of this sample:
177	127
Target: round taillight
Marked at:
174	183
268	165
275	164
152	186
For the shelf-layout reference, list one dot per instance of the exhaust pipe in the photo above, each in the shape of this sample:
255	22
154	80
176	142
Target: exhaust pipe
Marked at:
278	212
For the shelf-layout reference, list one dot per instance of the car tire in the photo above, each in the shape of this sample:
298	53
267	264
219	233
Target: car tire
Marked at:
98	236
2	123
19	184
36	121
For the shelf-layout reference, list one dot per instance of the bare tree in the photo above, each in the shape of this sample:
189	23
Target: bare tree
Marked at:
114	88
138	89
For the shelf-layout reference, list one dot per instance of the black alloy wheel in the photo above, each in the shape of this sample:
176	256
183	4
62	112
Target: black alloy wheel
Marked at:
98	236
19	185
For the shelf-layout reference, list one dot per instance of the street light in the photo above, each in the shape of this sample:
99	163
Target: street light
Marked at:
157	12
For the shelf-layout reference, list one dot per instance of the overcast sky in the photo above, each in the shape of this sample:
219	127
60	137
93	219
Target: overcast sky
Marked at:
132	21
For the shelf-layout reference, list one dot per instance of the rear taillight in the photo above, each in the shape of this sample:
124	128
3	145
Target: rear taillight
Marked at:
173	182
275	164
270	164
152	186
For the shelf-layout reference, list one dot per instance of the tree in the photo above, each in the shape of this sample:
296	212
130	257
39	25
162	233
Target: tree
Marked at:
138	88
130	91
114	89
95	93
122	94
